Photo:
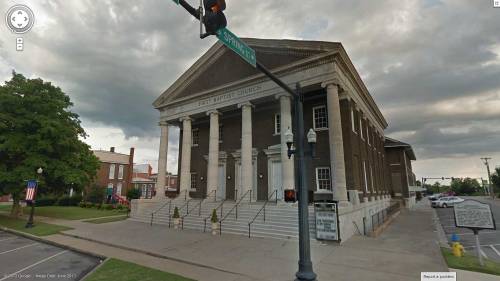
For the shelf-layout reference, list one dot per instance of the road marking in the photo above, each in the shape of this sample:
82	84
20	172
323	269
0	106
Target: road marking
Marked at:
7	276
26	246
6	239
495	250
482	253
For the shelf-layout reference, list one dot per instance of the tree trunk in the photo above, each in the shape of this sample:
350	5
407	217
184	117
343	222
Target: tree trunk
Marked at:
16	210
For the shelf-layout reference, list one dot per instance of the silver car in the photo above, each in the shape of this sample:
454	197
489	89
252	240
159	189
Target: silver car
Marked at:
445	202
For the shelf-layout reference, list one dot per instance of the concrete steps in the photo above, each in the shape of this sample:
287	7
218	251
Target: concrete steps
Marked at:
281	219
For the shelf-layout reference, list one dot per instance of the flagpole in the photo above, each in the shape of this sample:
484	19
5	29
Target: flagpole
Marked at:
29	224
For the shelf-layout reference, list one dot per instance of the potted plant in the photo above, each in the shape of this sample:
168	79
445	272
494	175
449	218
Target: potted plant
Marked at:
215	222
177	218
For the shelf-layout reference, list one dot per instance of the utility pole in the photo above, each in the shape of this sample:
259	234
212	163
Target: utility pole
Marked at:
485	160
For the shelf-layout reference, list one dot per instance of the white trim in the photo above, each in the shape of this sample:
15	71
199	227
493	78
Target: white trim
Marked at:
120	171
12	275
361	127
329	178
314	120
22	247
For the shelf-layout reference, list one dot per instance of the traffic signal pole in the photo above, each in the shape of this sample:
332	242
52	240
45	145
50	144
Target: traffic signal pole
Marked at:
305	271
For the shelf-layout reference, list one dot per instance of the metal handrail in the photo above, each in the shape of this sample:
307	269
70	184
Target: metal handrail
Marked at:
197	205
169	203
235	207
263	208
221	206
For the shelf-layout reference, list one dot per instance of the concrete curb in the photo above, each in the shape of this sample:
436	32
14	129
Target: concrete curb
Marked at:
39	239
156	255
94	269
442	239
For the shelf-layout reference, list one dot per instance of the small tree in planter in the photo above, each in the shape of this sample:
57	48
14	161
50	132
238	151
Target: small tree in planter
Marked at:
215	222
177	218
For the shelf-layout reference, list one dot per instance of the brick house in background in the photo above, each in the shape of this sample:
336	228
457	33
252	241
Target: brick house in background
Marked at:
144	180
116	170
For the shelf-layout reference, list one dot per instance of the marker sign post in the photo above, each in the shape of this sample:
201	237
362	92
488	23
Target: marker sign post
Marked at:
475	216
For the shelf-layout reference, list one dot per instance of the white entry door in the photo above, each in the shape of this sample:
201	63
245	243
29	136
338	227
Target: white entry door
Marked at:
221	188
276	181
239	186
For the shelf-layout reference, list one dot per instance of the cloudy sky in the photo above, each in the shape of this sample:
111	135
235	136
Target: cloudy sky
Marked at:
432	66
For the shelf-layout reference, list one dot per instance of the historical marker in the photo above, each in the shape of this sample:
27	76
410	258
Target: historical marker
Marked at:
475	216
327	221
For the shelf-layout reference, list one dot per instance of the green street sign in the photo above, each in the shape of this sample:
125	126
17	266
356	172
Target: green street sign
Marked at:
237	45
176	2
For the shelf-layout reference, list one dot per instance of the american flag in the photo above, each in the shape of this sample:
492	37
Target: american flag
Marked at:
31	190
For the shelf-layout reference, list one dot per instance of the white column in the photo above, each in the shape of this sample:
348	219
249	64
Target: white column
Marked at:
162	161
336	143
185	184
213	154
287	166
246	149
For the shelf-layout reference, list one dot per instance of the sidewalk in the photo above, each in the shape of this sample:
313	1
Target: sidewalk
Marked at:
406	248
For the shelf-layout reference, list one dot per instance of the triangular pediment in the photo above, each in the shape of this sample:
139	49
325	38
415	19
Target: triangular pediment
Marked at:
220	66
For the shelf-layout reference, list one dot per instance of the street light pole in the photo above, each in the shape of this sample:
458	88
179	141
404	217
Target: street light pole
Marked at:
29	224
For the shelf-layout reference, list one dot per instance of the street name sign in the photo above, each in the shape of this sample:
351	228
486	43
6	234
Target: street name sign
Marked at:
474	215
237	45
327	218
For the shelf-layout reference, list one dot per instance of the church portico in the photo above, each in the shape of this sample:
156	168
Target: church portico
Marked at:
233	122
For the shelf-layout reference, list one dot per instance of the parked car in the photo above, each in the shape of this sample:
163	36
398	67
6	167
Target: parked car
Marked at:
445	202
436	196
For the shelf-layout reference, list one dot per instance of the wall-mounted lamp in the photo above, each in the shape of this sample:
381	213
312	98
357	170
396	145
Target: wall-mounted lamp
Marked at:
202	178
229	177
261	176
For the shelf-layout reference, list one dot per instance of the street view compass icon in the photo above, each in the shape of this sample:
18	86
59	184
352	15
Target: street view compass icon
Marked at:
20	19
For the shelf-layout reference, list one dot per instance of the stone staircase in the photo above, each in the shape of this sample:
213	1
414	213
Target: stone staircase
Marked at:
281	218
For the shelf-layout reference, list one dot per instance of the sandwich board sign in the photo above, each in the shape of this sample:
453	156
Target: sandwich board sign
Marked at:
475	216
327	221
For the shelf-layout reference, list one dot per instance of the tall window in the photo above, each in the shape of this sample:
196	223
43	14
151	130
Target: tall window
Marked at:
193	180
371	177
320	118
323	179
277	124
353	122
368	134
120	172
221	133
361	127
365	176
195	137
111	171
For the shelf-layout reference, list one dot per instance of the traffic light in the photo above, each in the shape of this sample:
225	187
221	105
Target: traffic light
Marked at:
214	19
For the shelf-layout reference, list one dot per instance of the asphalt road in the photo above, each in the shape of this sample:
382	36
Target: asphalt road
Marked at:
25	259
489	239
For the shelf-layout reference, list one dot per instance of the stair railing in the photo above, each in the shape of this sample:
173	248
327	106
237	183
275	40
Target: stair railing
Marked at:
221	206
169	203
233	208
263	209
197	205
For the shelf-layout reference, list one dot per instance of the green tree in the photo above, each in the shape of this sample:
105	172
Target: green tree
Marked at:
37	129
465	186
495	181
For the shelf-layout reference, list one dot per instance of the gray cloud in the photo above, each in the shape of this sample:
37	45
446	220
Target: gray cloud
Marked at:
114	58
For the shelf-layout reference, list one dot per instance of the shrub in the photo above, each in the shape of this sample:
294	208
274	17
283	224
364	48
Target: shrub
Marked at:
95	194
108	206
82	204
69	201
176	213
133	193
214	218
120	207
46	201
89	205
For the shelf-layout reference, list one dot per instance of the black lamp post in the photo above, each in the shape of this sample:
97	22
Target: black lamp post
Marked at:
29	224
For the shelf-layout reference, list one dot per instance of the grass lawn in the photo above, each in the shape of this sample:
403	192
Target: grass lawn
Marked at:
75	213
470	263
108	219
114	269
5	207
40	229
